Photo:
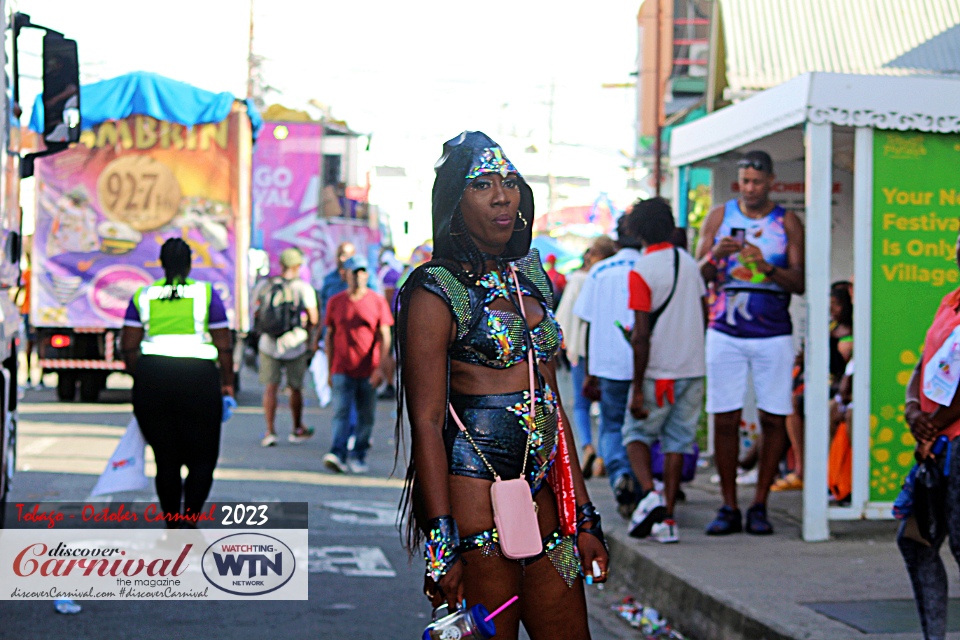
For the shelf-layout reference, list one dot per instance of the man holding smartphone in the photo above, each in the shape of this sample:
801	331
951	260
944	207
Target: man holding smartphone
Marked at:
751	253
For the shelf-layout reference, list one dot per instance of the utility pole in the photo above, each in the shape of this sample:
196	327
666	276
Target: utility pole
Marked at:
657	142
255	85
551	181
250	62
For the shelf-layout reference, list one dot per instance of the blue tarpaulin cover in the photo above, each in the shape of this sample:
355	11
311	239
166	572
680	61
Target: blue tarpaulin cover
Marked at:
150	94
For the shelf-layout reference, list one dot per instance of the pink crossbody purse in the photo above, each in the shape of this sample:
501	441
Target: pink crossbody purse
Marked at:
514	513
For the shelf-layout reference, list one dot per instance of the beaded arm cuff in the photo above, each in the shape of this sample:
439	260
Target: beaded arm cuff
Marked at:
441	549
588	514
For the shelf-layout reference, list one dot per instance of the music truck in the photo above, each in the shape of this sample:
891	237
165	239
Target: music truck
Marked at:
156	159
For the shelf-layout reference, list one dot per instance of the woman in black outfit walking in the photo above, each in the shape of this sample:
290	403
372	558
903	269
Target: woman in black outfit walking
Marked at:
175	332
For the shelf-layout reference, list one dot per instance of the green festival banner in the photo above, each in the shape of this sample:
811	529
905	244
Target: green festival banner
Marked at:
916	198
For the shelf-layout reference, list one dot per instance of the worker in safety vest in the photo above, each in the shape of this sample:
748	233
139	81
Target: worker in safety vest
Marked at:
175	332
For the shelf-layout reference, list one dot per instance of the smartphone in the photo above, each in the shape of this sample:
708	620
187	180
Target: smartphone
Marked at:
740	235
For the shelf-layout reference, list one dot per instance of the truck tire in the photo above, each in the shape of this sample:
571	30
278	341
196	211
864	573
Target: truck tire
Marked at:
90	385
66	386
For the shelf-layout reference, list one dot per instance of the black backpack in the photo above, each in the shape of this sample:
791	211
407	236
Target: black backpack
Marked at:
280	308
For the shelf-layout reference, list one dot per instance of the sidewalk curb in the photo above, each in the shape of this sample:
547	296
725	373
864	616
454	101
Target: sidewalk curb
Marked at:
690	608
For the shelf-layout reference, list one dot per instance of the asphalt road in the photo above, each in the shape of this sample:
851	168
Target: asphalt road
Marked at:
361	582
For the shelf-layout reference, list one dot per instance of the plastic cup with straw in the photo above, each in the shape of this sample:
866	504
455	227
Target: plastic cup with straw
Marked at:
499	609
472	622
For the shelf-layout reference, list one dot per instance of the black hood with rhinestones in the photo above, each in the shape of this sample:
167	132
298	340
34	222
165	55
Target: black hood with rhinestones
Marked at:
468	150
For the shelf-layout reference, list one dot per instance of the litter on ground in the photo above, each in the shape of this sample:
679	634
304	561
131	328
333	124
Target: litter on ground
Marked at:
647	620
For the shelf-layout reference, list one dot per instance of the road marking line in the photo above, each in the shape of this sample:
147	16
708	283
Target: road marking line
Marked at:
307	477
35	446
60	408
94	466
360	562
35	428
363	512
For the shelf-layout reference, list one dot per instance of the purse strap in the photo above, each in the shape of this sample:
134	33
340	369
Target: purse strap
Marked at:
533	397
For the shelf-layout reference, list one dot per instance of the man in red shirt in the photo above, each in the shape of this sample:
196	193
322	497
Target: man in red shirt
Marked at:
557	279
358	323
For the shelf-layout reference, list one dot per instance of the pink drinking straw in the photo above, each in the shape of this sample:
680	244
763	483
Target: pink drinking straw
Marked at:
501	608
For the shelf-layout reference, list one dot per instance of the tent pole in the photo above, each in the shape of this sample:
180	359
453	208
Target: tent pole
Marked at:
862	273
818	140
682	181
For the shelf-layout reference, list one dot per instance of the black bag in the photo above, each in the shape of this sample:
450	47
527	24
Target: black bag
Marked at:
280	308
655	315
929	500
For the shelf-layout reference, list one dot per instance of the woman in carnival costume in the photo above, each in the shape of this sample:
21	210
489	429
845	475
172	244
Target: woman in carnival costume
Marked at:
468	320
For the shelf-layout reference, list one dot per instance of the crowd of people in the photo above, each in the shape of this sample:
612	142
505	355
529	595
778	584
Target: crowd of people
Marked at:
351	318
727	323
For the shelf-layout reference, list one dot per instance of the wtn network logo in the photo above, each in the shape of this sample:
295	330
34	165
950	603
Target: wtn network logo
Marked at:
248	564
233	562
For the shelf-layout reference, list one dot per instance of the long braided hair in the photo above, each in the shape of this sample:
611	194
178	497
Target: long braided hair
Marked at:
411	533
176	259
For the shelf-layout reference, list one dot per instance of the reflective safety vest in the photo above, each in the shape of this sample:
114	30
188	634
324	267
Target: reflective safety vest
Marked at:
177	327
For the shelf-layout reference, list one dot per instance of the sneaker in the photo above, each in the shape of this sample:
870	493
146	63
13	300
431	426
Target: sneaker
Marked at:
300	436
727	521
358	466
625	492
757	522
665	532
333	462
269	440
649	511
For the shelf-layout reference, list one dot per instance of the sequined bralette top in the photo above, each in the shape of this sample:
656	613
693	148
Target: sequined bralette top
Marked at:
491	337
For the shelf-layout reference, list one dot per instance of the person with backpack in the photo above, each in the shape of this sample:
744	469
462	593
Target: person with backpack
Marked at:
286	318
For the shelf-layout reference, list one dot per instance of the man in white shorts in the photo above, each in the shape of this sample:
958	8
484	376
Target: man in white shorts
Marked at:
751	253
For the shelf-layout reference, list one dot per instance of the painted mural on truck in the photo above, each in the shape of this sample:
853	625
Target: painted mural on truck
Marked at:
286	198
105	206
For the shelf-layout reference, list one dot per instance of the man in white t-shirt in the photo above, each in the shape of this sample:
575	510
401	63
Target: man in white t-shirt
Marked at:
603	306
668	299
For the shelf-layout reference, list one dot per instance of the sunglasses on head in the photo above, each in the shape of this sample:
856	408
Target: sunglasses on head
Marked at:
747	163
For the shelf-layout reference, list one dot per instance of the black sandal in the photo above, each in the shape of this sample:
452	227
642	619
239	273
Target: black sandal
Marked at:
587	465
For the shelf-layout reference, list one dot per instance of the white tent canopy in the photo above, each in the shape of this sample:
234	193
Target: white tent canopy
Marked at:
827	119
922	103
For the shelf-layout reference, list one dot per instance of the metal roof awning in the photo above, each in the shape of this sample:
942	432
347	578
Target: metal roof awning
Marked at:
922	103
767	42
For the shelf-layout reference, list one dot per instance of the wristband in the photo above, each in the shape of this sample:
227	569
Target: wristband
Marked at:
909	400
442	547
711	259
588	514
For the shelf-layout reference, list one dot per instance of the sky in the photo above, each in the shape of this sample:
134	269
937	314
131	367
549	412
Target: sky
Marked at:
412	74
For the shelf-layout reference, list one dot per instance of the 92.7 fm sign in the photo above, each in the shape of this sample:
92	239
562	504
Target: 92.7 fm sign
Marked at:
139	191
